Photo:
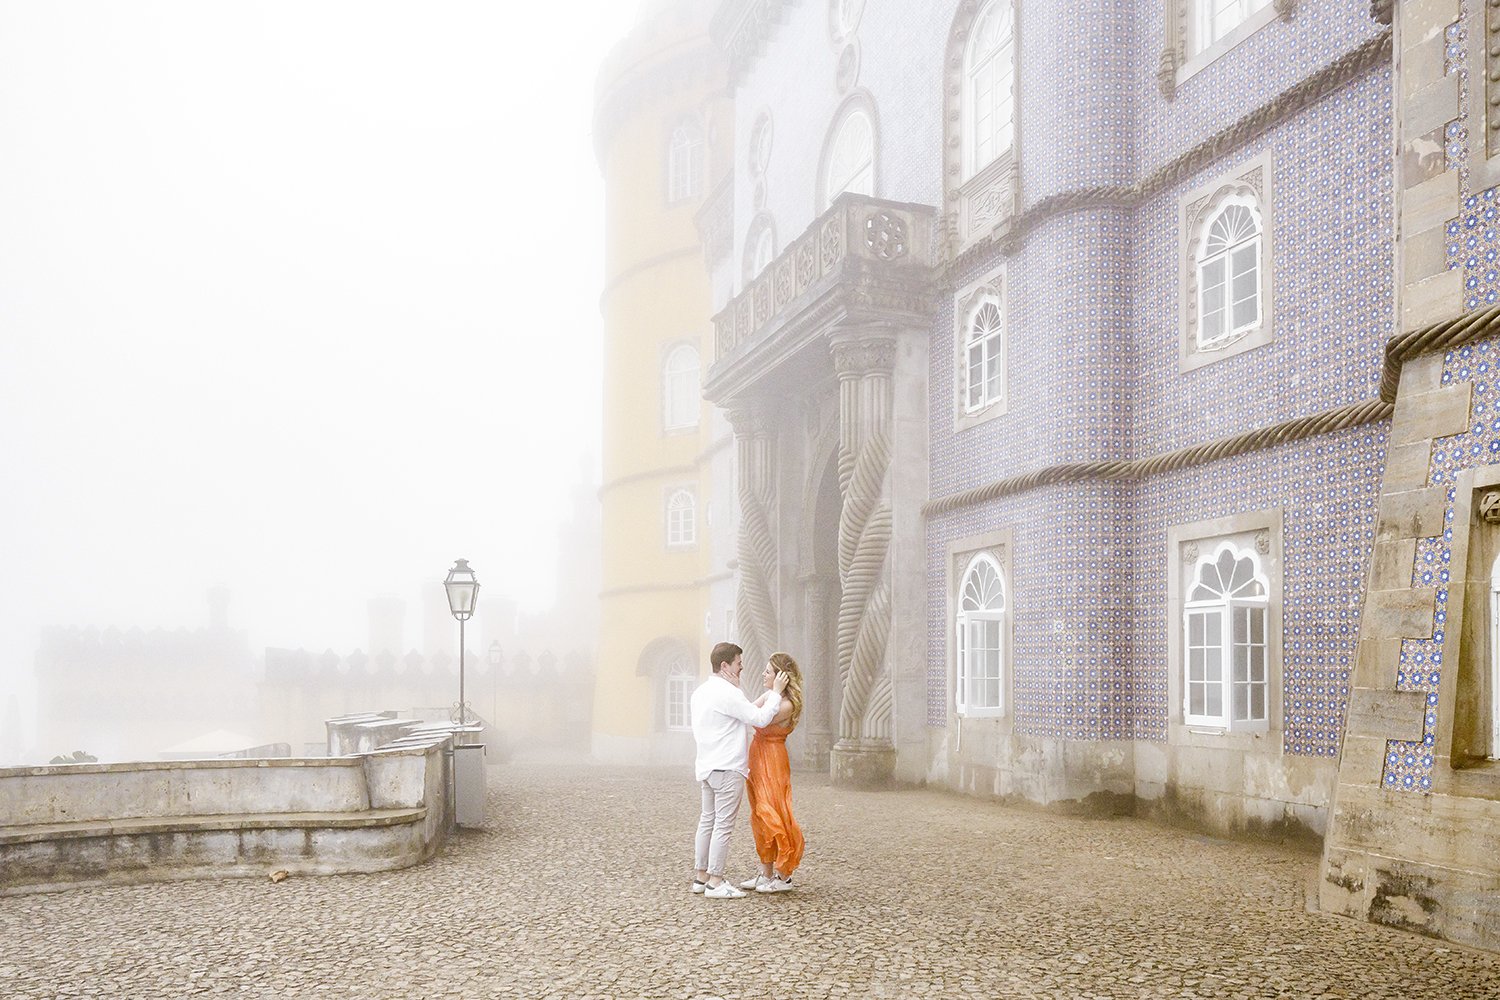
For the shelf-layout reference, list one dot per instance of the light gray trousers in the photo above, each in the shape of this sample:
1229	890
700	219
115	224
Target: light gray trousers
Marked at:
722	791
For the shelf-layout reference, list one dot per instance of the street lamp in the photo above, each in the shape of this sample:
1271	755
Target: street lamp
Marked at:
463	592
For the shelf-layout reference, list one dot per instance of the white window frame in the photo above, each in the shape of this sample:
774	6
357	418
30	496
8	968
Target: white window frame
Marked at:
678	692
989	352
967	305
1240	247
1223	611
682	518
965	619
684	162
1206	12
845	169
681	402
1000	60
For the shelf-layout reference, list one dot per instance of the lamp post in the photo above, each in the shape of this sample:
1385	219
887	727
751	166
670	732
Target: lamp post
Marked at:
463	592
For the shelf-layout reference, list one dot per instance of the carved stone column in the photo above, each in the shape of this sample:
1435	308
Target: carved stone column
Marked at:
864	360
754	605
819	681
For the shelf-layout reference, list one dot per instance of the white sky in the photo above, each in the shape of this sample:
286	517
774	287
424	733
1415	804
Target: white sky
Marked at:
300	297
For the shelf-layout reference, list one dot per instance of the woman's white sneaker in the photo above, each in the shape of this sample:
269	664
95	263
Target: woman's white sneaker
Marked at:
724	890
775	885
754	883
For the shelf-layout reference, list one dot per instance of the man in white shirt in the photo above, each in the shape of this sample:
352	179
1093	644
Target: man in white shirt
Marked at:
722	717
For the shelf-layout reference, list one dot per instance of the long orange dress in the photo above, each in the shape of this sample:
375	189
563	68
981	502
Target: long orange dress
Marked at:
778	838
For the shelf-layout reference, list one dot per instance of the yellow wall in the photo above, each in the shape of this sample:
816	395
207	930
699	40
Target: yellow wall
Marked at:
656	296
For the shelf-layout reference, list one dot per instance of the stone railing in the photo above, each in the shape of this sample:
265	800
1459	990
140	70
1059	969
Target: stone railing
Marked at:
878	248
108	824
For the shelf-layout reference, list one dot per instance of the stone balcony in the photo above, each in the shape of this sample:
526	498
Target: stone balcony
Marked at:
864	262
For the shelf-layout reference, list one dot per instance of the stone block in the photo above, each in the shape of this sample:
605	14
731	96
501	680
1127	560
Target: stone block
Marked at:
1408	466
1429	204
1422	19
1396	614
1423	373
1422	62
1431	300
1386	714
1431	107
1412	514
1393	564
1424	254
1375	663
1362	763
1426	415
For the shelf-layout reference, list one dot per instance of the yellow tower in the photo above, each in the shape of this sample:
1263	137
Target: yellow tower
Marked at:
660	107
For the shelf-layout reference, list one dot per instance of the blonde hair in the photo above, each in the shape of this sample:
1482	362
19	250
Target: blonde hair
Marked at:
783	663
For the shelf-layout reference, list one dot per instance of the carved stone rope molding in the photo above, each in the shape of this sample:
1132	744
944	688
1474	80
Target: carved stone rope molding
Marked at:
864	603
1398	350
1308	91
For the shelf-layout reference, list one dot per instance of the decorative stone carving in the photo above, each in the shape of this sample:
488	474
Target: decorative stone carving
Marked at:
755	610
1263	543
847	73
859	357
1491	78
832	240
807	266
885	235
785	282
1190	552
1285	8
1166	73
1382	10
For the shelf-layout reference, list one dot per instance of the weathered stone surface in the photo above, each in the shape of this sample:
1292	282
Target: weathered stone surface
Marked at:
1398	613
1393	564
1431	300
1425	254
1376	662
580	890
1429	204
1423	373
1387	714
1433	106
1407	466
1426	415
1411	514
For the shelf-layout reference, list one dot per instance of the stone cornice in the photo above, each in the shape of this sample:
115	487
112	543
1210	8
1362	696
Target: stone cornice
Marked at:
742	27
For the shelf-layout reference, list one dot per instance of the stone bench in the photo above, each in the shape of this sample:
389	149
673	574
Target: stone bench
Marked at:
109	824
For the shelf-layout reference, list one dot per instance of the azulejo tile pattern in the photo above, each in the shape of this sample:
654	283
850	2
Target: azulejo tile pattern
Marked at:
1094	375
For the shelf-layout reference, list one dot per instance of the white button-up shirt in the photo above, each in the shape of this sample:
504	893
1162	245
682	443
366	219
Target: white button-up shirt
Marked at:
722	716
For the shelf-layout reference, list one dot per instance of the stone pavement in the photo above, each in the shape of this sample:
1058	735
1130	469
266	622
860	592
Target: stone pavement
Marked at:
580	889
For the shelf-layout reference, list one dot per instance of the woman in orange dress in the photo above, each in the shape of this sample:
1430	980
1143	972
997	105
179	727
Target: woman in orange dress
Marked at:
778	838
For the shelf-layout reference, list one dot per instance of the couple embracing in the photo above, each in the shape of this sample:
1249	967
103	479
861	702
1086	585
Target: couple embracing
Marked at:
726	767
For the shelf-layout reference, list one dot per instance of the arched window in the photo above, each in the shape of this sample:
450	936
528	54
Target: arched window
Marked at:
981	631
989	92
1228	273
849	162
760	246
680	399
684	162
682	520
984	355
1213	20
679	691
1227	680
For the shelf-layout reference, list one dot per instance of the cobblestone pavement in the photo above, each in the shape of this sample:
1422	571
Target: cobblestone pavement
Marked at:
579	889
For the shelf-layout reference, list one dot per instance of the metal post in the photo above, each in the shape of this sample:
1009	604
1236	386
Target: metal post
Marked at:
463	715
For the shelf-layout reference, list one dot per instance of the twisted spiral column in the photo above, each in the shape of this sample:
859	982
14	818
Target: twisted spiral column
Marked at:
864	363
756	547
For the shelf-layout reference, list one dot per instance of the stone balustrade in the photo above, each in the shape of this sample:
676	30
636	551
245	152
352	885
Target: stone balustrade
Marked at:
106	824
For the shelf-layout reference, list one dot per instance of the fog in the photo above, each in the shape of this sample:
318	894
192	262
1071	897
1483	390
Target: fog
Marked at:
299	298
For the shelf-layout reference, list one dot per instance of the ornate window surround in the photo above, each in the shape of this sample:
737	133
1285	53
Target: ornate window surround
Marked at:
980	206
860	100
664	659
990	288
672	353
1195	212
1178	61
1261	532
961	554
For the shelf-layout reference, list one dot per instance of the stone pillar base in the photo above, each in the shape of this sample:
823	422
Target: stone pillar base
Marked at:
863	764
815	749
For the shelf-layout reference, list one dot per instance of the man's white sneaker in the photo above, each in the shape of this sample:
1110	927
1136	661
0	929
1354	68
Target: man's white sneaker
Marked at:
774	885
698	887
724	890
754	883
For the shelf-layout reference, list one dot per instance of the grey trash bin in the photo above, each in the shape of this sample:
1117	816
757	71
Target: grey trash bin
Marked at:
468	784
